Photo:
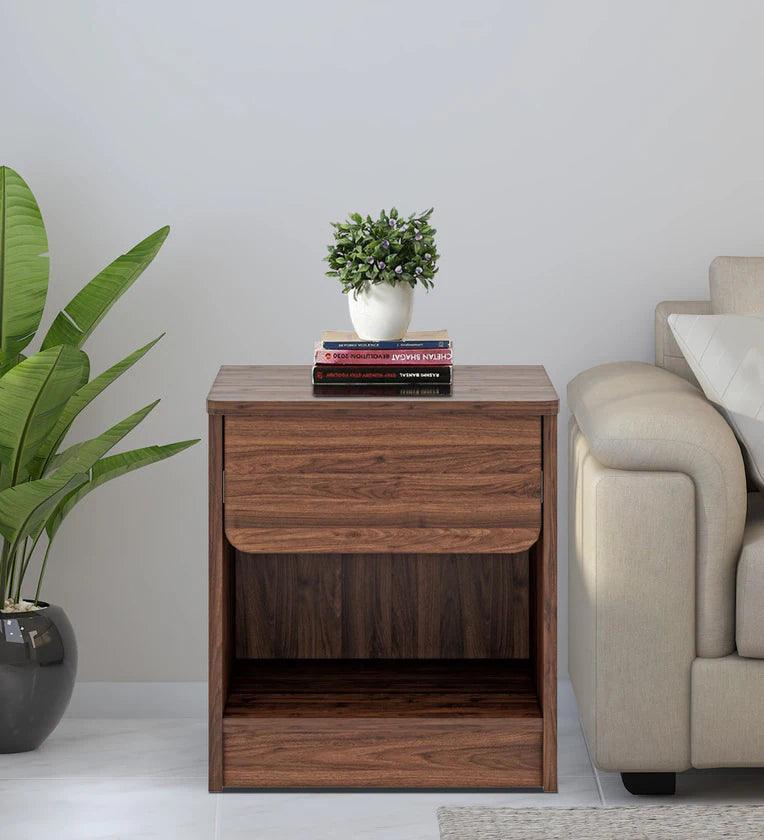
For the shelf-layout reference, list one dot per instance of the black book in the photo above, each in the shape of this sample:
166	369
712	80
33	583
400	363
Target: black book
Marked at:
365	390
381	375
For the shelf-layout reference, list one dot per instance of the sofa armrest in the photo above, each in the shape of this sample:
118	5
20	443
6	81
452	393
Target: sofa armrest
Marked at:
750	583
638	417
631	608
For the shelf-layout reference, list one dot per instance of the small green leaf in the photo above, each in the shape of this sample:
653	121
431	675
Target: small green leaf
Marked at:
364	238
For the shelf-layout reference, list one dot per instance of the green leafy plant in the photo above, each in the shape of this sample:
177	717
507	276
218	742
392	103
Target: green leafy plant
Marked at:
389	249
42	394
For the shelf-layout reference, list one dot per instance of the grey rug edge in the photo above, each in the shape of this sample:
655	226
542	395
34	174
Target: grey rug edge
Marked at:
680	821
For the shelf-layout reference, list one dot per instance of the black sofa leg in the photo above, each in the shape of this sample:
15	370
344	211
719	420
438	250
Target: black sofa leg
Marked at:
650	784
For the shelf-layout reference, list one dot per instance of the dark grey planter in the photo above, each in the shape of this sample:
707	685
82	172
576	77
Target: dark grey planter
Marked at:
38	664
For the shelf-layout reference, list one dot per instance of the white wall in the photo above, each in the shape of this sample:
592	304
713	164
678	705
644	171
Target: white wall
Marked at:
586	159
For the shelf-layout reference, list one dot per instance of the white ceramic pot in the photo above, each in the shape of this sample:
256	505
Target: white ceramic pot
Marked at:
381	312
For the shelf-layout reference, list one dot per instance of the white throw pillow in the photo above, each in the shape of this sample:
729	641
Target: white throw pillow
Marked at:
726	354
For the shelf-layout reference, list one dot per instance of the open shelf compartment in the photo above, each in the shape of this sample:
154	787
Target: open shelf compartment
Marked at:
382	688
383	724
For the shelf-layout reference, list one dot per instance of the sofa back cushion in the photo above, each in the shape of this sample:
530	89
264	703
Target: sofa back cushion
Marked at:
667	353
737	285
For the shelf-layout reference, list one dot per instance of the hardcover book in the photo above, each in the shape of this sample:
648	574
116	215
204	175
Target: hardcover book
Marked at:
364	390
382	357
424	340
381	374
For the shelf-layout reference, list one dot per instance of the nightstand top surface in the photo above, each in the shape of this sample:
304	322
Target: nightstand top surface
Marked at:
239	389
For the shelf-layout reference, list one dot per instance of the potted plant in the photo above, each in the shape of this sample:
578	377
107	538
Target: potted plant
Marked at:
41	479
379	264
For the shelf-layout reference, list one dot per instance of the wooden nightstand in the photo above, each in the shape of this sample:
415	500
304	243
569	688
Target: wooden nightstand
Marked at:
383	583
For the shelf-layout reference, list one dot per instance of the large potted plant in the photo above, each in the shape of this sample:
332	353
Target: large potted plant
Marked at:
379	264
41	479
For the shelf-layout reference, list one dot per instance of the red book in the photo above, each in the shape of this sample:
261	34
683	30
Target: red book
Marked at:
382	374
383	357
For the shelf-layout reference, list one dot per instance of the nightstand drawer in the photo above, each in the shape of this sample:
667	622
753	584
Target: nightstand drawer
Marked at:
382	480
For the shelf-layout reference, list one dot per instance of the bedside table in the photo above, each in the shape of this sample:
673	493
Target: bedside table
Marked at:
383	583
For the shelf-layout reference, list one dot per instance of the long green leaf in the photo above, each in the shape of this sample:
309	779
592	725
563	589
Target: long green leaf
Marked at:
8	364
25	506
85	310
81	456
79	401
32	396
111	467
23	265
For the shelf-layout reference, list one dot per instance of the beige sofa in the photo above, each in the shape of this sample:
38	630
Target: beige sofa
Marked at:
666	562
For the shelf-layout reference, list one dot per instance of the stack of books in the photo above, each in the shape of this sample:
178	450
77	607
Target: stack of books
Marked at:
421	359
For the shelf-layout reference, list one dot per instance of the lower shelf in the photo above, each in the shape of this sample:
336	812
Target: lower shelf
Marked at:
382	723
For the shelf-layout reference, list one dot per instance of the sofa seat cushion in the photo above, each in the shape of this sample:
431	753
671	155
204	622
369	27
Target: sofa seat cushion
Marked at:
750	583
636	416
727	713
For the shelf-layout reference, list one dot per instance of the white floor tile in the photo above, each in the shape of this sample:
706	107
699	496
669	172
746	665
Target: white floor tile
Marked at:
115	749
567	710
372	816
110	809
145	779
572	757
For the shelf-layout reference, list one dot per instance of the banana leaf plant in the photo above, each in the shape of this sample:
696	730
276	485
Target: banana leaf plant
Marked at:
42	394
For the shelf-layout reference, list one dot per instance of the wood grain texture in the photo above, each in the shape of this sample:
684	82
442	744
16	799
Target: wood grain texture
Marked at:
387	724
382	688
473	461
255	455
221	635
238	389
380	606
410	501
316	540
544	564
416	753
352	428
386	494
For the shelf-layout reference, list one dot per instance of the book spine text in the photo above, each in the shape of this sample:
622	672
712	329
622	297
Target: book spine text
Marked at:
383	357
380	374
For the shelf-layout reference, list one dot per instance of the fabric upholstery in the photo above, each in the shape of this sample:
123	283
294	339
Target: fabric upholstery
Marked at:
667	352
737	285
631	611
636	416
728	712
750	583
726	354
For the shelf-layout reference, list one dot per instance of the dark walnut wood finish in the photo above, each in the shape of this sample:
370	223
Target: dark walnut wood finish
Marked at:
398	723
382	606
382	583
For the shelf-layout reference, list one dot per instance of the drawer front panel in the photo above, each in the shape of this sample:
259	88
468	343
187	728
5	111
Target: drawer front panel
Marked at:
354	474
382	752
408	501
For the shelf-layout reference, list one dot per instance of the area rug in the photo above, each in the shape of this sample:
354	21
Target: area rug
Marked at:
660	822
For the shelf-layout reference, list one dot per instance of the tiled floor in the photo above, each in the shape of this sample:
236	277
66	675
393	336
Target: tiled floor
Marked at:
136	779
